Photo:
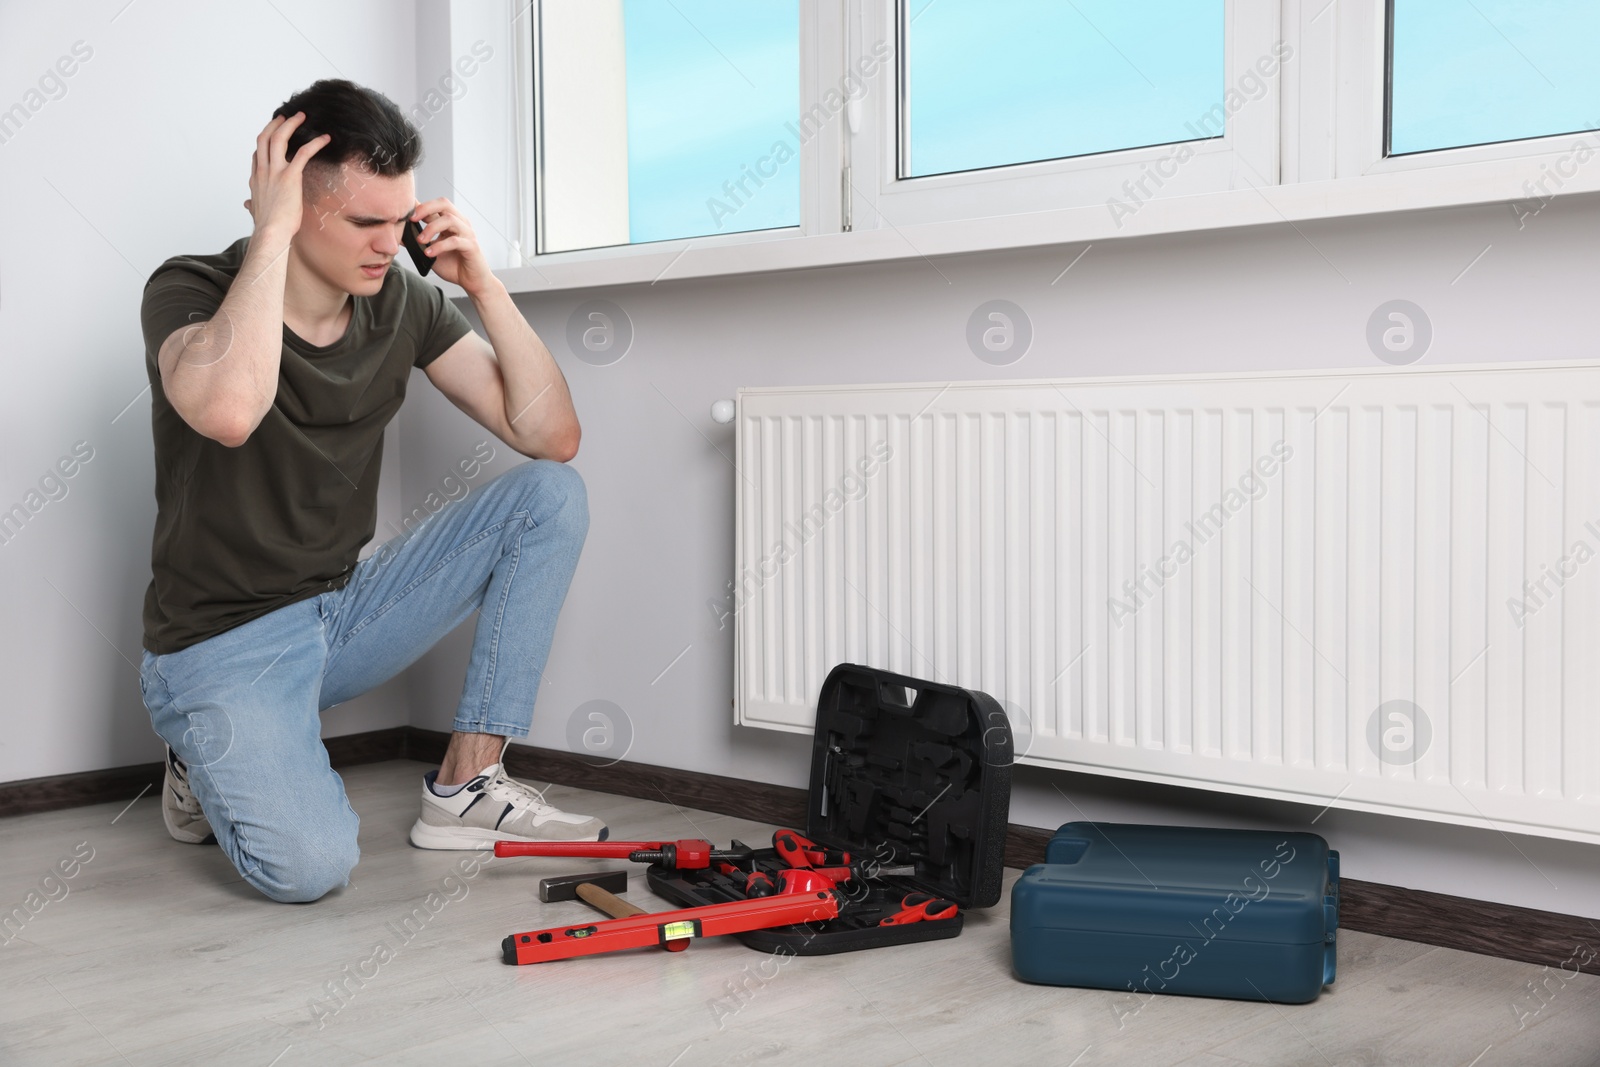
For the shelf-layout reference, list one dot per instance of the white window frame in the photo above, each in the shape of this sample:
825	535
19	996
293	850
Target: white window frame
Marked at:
1311	149
1245	157
819	196
1335	101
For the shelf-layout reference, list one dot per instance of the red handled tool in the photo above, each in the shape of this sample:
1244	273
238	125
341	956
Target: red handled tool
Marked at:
685	854
760	884
919	906
688	854
806	897
757	883
796	850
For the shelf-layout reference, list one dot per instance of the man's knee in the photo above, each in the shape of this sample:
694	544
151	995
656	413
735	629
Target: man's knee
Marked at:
304	867
557	493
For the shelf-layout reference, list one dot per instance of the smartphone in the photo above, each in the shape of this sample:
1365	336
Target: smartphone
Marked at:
408	237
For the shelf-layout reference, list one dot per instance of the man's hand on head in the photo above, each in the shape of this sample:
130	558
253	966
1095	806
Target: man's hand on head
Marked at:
276	195
448	240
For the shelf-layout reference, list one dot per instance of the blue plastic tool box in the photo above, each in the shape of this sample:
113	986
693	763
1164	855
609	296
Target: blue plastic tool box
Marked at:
1247	914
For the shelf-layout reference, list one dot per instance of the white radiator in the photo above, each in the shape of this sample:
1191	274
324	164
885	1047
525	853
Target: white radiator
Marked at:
1372	590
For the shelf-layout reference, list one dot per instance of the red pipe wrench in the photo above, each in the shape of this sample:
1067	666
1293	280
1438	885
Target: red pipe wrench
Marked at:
685	854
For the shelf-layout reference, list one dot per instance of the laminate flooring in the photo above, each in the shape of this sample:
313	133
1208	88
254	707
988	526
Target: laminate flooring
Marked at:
157	953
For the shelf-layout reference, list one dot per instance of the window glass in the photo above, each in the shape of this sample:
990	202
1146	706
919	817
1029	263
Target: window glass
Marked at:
1466	72
998	82
666	119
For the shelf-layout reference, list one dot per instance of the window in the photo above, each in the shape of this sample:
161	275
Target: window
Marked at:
990	83
1473	72
678	138
663	119
1005	107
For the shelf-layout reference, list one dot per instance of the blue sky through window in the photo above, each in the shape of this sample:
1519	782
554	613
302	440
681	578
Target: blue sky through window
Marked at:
713	91
997	82
1478	71
712	87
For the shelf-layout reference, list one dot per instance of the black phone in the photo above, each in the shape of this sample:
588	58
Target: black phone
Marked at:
408	237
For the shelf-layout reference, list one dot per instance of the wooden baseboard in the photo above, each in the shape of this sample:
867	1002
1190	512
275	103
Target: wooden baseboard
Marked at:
1525	934
374	746
32	795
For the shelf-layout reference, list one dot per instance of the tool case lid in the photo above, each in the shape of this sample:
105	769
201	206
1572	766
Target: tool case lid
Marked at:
906	769
1184	881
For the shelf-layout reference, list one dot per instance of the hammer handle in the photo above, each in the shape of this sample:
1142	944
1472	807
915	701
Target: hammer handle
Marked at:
618	908
609	903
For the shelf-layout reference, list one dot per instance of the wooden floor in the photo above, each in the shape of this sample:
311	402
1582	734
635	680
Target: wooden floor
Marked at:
158	953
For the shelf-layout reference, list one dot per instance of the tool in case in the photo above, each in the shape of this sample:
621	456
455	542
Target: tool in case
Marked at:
909	793
809	890
1246	914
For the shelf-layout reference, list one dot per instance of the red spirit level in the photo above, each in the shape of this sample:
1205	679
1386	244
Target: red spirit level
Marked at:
806	897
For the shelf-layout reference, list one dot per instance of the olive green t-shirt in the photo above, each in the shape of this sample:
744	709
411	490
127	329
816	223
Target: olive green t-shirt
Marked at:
243	531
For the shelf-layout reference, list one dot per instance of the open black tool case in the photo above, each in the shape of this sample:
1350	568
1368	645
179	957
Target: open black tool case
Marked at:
908	774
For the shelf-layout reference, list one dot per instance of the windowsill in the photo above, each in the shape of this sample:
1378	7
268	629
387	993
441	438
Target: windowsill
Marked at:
1460	184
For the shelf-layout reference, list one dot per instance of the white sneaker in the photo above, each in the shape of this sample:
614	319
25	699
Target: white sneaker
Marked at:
180	808
495	807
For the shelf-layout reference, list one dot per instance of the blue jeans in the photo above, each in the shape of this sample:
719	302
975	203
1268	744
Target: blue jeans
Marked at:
242	708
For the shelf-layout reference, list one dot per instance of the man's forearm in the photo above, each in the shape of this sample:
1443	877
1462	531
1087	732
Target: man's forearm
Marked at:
539	407
227	368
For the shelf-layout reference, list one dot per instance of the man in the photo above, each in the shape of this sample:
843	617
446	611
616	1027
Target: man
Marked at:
274	367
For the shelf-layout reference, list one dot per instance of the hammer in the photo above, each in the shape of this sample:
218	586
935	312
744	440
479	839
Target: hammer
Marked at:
599	890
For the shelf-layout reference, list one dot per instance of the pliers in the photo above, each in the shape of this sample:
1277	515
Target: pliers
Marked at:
919	906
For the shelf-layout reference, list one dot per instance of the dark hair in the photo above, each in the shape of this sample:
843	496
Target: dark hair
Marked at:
364	125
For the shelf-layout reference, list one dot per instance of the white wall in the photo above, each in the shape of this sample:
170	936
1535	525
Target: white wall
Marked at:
144	154
661	483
